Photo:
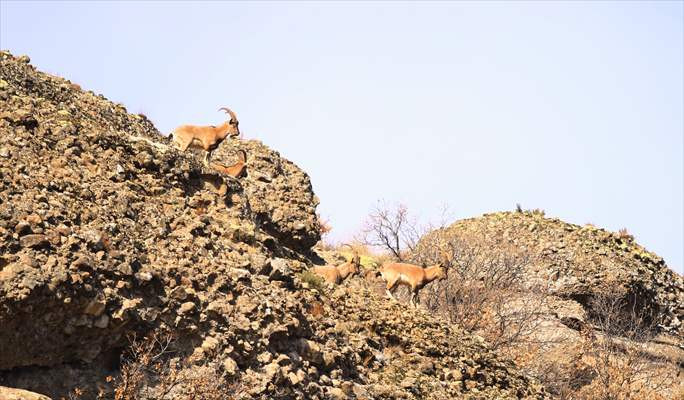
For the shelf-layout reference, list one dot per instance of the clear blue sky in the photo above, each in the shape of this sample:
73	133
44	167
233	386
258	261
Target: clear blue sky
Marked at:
572	107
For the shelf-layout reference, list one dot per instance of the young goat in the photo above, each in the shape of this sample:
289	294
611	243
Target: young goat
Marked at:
236	170
413	276
337	274
206	137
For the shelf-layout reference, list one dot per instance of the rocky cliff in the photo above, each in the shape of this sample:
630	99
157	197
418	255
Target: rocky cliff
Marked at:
108	235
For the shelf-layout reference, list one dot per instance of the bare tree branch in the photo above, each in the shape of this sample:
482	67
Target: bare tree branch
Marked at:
392	229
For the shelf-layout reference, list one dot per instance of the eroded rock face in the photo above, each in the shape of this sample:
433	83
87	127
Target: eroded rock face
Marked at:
106	232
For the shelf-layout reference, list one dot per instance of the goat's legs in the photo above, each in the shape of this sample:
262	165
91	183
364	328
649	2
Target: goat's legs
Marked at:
389	288
413	295
181	144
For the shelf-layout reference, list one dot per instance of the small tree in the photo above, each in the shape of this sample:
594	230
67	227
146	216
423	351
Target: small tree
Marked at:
392	229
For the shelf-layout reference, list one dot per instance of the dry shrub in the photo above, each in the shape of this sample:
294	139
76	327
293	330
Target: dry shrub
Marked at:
313	280
490	294
316	309
152	369
625	235
484	293
619	351
75	394
393	229
324	225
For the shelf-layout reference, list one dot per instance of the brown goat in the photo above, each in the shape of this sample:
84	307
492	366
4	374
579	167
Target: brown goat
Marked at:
206	137
413	276
236	170
337	274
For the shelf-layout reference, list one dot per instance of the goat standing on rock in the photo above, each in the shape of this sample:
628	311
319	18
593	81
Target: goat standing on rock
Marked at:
206	137
337	274
413	276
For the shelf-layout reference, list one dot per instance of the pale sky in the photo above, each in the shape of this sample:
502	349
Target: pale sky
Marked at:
572	107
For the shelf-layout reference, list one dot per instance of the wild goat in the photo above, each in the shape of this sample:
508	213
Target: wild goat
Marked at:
236	170
413	276
206	137
337	274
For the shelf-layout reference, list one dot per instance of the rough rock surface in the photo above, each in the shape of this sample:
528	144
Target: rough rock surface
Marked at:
580	261
106	231
280	194
18	394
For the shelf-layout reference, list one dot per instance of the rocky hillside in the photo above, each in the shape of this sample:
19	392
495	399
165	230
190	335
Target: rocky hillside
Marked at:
588	312
280	194
578	261
108	236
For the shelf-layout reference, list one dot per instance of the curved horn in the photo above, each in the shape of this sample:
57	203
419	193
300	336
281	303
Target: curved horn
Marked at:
243	154
231	113
445	256
355	253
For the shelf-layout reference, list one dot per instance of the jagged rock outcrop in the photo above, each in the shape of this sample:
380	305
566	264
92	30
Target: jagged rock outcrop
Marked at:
280	194
107	232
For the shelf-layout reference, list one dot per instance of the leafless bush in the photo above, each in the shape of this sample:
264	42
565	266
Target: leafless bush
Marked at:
395	230
619	350
391	229
625	235
151	369
324	225
485	292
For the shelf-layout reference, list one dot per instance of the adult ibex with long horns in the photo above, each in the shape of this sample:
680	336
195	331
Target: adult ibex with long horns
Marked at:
206	137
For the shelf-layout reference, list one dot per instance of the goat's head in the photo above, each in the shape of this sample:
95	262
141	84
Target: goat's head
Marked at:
355	260
443	264
441	272
234	123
